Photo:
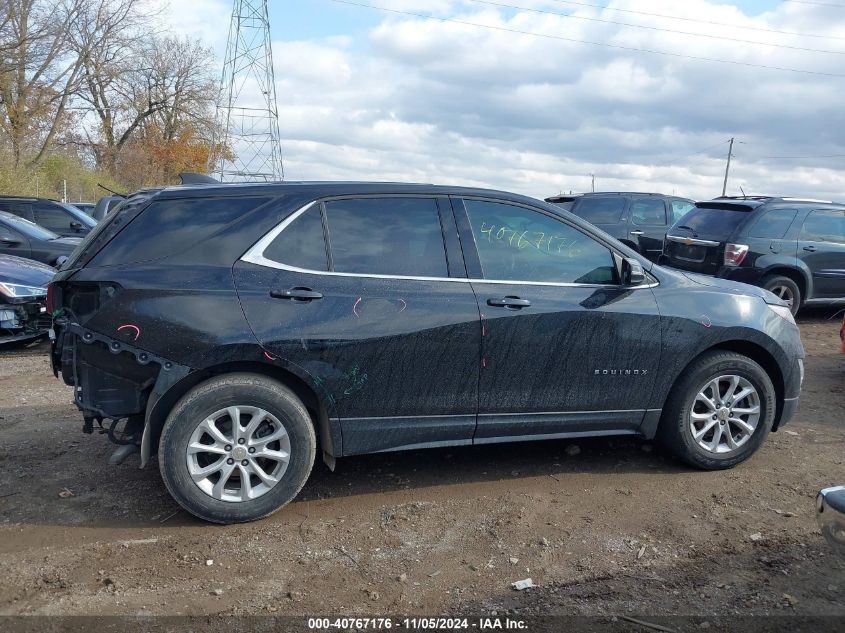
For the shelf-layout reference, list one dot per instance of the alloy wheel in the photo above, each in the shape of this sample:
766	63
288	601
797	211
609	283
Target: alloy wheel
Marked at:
785	293
238	453
724	414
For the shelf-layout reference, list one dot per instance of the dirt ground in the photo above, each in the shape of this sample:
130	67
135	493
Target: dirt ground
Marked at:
604	526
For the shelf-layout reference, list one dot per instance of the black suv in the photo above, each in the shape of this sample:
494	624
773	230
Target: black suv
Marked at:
792	247
237	328
638	220
60	218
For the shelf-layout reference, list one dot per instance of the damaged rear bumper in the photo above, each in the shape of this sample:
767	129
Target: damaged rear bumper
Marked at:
111	379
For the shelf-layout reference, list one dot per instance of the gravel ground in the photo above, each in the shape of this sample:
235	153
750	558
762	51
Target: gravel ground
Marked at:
604	526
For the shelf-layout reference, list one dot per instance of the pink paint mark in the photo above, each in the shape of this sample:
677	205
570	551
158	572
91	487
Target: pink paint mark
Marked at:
130	327
483	330
705	320
404	305
484	361
354	311
268	356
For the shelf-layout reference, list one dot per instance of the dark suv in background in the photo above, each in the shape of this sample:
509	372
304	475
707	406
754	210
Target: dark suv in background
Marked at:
237	328
639	220
792	247
60	218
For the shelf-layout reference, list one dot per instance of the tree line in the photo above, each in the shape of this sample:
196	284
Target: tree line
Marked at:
102	89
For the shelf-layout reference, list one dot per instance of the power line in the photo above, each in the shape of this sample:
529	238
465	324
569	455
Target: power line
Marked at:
701	151
657	28
577	41
700	21
800	157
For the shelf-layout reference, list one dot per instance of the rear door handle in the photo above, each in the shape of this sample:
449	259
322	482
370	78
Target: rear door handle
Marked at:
297	294
812	249
514	303
638	232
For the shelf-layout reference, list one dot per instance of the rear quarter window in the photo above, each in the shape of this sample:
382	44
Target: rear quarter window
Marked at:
599	210
171	226
772	225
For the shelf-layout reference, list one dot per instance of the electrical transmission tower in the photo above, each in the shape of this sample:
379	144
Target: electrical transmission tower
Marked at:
247	114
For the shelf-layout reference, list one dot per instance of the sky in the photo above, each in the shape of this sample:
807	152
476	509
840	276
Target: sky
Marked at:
507	94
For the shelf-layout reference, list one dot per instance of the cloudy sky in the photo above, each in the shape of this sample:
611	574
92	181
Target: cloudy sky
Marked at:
534	96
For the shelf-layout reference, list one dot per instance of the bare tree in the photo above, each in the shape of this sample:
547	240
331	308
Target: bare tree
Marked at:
38	74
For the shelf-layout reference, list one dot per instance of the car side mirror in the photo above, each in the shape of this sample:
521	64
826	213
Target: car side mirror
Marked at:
76	226
830	516
61	259
631	273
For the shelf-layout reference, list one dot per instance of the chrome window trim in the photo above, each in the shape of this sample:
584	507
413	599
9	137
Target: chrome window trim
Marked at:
255	255
691	240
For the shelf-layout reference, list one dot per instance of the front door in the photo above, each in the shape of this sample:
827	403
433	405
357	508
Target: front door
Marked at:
565	348
13	243
821	245
360	294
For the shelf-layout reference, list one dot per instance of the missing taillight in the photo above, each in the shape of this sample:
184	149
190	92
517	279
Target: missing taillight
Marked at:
50	291
735	253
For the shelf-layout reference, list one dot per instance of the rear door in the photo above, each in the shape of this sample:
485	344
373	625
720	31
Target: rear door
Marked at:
55	218
821	245
648	225
565	348
369	296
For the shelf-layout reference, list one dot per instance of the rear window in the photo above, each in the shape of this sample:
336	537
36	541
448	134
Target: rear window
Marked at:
714	222
600	210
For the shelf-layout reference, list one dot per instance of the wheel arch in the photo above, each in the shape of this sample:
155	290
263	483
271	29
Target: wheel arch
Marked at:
328	434
801	278
752	350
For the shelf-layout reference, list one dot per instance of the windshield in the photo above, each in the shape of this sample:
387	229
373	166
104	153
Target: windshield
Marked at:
718	222
30	229
81	216
599	210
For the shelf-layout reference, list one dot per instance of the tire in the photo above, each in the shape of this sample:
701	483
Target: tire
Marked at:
676	427
272	422
786	289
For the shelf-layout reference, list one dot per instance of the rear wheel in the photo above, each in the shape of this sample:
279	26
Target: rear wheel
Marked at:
236	448
786	289
719	411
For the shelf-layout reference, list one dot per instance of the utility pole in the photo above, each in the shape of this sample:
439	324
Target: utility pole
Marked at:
593	183
728	167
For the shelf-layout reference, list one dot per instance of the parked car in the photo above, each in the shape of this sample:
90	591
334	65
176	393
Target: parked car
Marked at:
639	220
239	327
830	516
58	217
104	205
86	207
23	238
793	247
23	293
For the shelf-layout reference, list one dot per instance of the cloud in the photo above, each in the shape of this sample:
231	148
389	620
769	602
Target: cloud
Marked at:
417	99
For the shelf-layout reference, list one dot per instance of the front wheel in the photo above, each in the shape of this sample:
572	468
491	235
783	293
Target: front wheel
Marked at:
236	448
786	289
719	411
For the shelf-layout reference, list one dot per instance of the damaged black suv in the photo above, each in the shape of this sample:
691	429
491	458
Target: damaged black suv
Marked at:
234	329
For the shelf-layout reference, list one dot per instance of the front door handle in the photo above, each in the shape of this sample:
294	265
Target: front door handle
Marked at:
297	294
811	249
637	232
515	303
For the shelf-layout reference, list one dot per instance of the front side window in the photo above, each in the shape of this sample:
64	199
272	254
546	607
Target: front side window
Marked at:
772	225
301	244
30	229
518	244
51	217
386	236
824	226
648	211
